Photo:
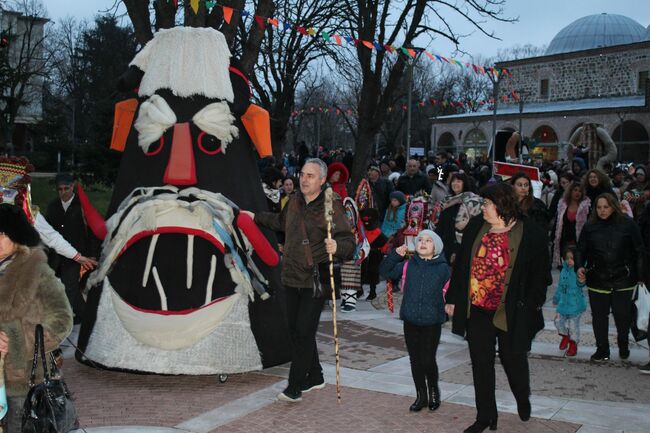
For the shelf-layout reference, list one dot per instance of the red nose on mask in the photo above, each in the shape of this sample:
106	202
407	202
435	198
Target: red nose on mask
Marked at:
181	168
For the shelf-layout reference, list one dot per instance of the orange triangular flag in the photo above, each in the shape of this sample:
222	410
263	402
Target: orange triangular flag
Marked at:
274	22
337	38
368	45
411	52
227	14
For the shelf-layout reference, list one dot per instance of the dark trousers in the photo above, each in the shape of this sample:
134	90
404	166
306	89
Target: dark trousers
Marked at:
12	422
620	304
482	336
303	313
422	344
68	272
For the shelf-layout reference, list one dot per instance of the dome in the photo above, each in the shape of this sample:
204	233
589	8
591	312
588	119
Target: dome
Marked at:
646	36
593	31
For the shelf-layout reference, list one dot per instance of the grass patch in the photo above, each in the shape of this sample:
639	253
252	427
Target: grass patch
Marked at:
44	191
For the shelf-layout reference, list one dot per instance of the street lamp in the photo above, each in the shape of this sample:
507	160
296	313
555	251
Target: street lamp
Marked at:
418	51
521	110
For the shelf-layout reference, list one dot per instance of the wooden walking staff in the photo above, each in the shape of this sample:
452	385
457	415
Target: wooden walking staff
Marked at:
329	212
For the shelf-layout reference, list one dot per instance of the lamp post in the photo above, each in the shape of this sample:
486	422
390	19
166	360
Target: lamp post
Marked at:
410	100
495	96
521	110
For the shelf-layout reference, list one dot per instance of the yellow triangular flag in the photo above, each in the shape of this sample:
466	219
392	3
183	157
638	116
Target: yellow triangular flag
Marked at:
195	6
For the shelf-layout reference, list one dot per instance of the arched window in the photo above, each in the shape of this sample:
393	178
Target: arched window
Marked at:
632	141
544	144
475	144
447	142
545	134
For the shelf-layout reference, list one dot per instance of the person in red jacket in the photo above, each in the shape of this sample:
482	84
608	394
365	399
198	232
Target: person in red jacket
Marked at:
338	176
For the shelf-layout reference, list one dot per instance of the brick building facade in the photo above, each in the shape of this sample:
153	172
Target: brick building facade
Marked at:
561	90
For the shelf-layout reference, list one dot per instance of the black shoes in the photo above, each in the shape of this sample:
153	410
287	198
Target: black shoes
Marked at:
290	396
480	426
523	409
623	352
600	356
371	295
434	398
313	384
420	402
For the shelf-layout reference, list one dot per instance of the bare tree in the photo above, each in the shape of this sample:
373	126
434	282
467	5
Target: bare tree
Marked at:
286	57
244	38
24	63
519	52
393	22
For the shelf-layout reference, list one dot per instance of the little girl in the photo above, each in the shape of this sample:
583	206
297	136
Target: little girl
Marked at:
422	310
570	302
395	214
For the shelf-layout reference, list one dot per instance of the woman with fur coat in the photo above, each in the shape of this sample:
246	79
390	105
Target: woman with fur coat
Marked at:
30	294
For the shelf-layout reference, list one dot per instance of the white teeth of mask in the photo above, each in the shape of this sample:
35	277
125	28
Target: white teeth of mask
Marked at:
190	261
147	267
161	289
208	289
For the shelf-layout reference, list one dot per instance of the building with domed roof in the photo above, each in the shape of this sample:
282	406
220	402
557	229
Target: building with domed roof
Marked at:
594	70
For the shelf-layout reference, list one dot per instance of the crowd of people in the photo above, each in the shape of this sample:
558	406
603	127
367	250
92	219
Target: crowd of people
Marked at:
483	258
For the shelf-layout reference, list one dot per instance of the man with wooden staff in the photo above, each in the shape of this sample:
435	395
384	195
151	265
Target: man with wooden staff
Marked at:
305	269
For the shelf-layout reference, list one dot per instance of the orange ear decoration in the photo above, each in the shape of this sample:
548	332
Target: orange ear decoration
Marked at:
124	114
258	126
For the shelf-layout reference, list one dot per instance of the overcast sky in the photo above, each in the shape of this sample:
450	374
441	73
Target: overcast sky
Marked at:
538	20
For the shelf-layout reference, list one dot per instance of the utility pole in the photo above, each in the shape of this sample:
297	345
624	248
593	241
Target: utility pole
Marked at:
521	110
410	102
495	96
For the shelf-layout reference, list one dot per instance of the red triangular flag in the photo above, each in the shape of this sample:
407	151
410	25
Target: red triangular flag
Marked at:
261	22
227	14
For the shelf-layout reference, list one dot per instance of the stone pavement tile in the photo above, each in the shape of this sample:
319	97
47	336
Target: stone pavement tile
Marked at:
361	347
106	398
366	411
628	418
571	379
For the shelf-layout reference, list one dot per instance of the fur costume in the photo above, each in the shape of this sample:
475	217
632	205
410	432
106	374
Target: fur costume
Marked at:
184	278
581	218
30	295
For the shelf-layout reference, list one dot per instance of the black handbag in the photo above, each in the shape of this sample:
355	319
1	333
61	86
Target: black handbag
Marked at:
48	406
322	282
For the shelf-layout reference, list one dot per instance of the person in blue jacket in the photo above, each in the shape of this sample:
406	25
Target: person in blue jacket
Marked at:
422	310
570	303
395	214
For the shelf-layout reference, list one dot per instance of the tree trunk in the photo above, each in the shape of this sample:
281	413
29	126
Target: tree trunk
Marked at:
165	14
265	8
138	11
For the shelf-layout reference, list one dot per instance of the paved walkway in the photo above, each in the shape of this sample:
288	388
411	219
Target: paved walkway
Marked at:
569	395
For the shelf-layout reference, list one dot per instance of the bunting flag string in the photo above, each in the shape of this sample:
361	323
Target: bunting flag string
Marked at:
511	97
262	21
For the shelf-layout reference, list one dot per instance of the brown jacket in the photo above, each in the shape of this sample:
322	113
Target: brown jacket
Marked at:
296	272
30	294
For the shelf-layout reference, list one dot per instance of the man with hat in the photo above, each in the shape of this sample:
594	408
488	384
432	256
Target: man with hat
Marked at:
66	216
381	188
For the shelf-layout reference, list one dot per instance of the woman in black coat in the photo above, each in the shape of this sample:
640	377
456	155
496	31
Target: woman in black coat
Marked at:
496	294
610	257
